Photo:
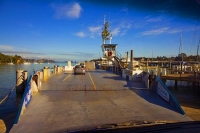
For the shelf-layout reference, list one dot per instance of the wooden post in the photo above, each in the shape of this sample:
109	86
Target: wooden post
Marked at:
126	57
194	83
131	57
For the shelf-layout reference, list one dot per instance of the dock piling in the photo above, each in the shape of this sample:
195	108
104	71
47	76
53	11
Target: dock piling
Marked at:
21	79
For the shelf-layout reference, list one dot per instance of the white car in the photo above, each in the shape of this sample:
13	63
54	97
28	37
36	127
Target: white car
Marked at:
79	69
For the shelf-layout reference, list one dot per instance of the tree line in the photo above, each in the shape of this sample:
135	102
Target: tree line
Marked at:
180	57
8	59
18	59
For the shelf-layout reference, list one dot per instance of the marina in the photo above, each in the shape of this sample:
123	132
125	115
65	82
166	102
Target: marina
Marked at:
109	92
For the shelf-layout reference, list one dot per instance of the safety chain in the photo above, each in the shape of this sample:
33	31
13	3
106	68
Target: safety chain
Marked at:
6	97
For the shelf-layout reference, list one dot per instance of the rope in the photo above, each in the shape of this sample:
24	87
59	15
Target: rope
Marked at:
7	95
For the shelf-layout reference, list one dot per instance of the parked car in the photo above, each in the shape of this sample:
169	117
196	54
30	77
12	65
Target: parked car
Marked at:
79	69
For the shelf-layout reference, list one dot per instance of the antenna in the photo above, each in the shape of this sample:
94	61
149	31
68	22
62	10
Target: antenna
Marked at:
197	52
104	19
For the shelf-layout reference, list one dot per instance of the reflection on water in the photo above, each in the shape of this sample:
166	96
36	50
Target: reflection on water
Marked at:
171	83
9	107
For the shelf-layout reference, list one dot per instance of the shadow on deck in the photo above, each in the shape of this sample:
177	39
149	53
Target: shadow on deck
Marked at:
147	94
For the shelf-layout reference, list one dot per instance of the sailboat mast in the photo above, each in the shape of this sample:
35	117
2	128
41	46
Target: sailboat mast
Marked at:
198	50
181	44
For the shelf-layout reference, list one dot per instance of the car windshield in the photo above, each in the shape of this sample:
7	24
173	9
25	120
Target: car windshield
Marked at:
73	65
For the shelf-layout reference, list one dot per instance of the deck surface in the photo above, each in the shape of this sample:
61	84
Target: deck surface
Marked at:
70	102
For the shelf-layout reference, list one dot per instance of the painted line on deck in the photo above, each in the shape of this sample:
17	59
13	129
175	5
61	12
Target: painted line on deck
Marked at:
67	77
92	81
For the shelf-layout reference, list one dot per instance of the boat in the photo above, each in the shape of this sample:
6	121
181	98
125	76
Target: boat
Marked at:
79	106
35	62
11	63
27	63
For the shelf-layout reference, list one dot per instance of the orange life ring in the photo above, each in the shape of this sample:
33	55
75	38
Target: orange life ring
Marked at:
109	53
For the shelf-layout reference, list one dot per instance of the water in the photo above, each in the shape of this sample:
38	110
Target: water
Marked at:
9	107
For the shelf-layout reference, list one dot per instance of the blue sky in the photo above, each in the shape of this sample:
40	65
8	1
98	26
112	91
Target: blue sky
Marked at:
71	30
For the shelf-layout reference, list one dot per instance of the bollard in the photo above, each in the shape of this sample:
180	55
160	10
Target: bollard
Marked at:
21	78
165	72
39	79
45	72
41	74
34	83
151	78
49	71
58	69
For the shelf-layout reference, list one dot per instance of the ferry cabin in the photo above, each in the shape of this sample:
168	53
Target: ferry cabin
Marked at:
109	50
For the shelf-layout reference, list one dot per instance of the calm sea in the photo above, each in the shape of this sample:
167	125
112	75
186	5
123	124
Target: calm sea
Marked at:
9	107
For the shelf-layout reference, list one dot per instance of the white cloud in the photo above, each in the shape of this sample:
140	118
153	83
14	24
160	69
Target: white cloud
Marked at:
80	34
161	30
154	20
115	31
172	31
122	27
94	29
6	48
67	11
155	31
125	9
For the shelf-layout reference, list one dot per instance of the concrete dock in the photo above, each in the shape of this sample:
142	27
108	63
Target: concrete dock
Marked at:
68	102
